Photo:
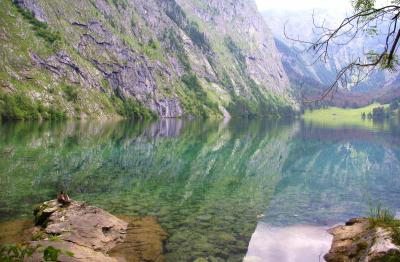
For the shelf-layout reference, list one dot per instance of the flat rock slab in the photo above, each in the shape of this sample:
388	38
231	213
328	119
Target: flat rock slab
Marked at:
84	225
93	234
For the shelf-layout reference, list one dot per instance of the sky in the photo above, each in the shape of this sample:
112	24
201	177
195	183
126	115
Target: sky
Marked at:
336	5
332	5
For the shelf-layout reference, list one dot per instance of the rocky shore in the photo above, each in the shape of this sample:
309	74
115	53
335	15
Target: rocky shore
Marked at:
92	234
359	240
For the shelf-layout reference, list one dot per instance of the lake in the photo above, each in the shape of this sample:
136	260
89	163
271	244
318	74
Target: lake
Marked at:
257	190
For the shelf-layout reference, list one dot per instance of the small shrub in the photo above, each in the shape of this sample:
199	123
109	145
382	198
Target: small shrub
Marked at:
41	29
152	44
379	214
394	106
390	258
197	37
236	52
175	44
18	107
55	113
71	93
130	108
51	254
384	217
176	14
133	22
363	116
192	83
18	253
153	50
122	3
378	113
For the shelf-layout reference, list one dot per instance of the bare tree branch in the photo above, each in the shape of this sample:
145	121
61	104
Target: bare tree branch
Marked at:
363	23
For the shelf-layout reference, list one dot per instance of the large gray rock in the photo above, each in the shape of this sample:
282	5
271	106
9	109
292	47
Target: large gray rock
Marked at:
88	232
93	234
84	225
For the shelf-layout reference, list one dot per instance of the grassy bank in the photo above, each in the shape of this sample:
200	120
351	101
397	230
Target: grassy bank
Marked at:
385	218
335	117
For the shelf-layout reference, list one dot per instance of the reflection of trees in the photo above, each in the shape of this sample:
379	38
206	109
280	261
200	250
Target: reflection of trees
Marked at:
331	175
206	181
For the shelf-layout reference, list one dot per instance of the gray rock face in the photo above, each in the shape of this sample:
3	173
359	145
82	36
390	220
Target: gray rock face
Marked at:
141	49
36	9
62	67
241	20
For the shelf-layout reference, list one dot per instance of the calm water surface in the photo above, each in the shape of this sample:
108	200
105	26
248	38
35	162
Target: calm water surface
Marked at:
225	191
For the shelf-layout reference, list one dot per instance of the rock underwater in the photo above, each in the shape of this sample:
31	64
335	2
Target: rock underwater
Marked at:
93	234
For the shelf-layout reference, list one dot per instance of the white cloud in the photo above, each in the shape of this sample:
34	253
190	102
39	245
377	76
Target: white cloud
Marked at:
292	5
337	5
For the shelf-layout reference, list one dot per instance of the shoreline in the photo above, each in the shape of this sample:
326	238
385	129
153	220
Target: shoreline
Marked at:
79	232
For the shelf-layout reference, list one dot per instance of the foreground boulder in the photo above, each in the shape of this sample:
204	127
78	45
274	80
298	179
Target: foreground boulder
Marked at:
93	234
360	241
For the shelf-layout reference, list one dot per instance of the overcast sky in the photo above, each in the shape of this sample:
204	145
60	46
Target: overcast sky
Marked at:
333	5
338	5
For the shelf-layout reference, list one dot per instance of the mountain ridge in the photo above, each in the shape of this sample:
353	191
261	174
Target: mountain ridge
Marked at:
139	58
311	76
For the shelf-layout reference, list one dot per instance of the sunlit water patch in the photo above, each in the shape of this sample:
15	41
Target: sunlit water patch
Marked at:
295	243
221	190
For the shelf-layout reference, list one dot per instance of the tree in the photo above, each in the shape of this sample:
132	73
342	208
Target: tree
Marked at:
378	113
367	20
394	106
363	116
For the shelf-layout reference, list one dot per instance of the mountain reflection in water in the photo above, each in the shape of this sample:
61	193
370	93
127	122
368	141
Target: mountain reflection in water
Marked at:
207	181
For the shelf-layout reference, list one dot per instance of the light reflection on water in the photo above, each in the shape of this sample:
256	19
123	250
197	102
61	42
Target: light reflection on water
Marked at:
295	243
207	181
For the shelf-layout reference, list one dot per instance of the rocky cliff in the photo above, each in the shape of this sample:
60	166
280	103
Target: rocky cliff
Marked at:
361	240
169	58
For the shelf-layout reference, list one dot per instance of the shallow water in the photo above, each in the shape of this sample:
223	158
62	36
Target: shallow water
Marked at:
211	184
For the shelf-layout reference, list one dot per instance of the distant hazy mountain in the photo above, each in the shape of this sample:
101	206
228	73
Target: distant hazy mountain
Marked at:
311	77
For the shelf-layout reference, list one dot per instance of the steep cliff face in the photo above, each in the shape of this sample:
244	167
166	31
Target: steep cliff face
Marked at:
240	21
137	58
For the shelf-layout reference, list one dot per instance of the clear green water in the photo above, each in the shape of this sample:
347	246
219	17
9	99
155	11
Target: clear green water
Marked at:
206	181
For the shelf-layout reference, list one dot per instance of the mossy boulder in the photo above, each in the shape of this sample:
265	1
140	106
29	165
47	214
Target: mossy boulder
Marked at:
360	241
43	211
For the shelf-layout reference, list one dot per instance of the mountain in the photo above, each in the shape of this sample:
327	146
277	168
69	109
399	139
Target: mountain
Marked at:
309	76
136	58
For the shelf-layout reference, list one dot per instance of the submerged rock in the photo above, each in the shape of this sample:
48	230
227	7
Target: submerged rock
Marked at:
93	234
143	242
16	231
360	241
